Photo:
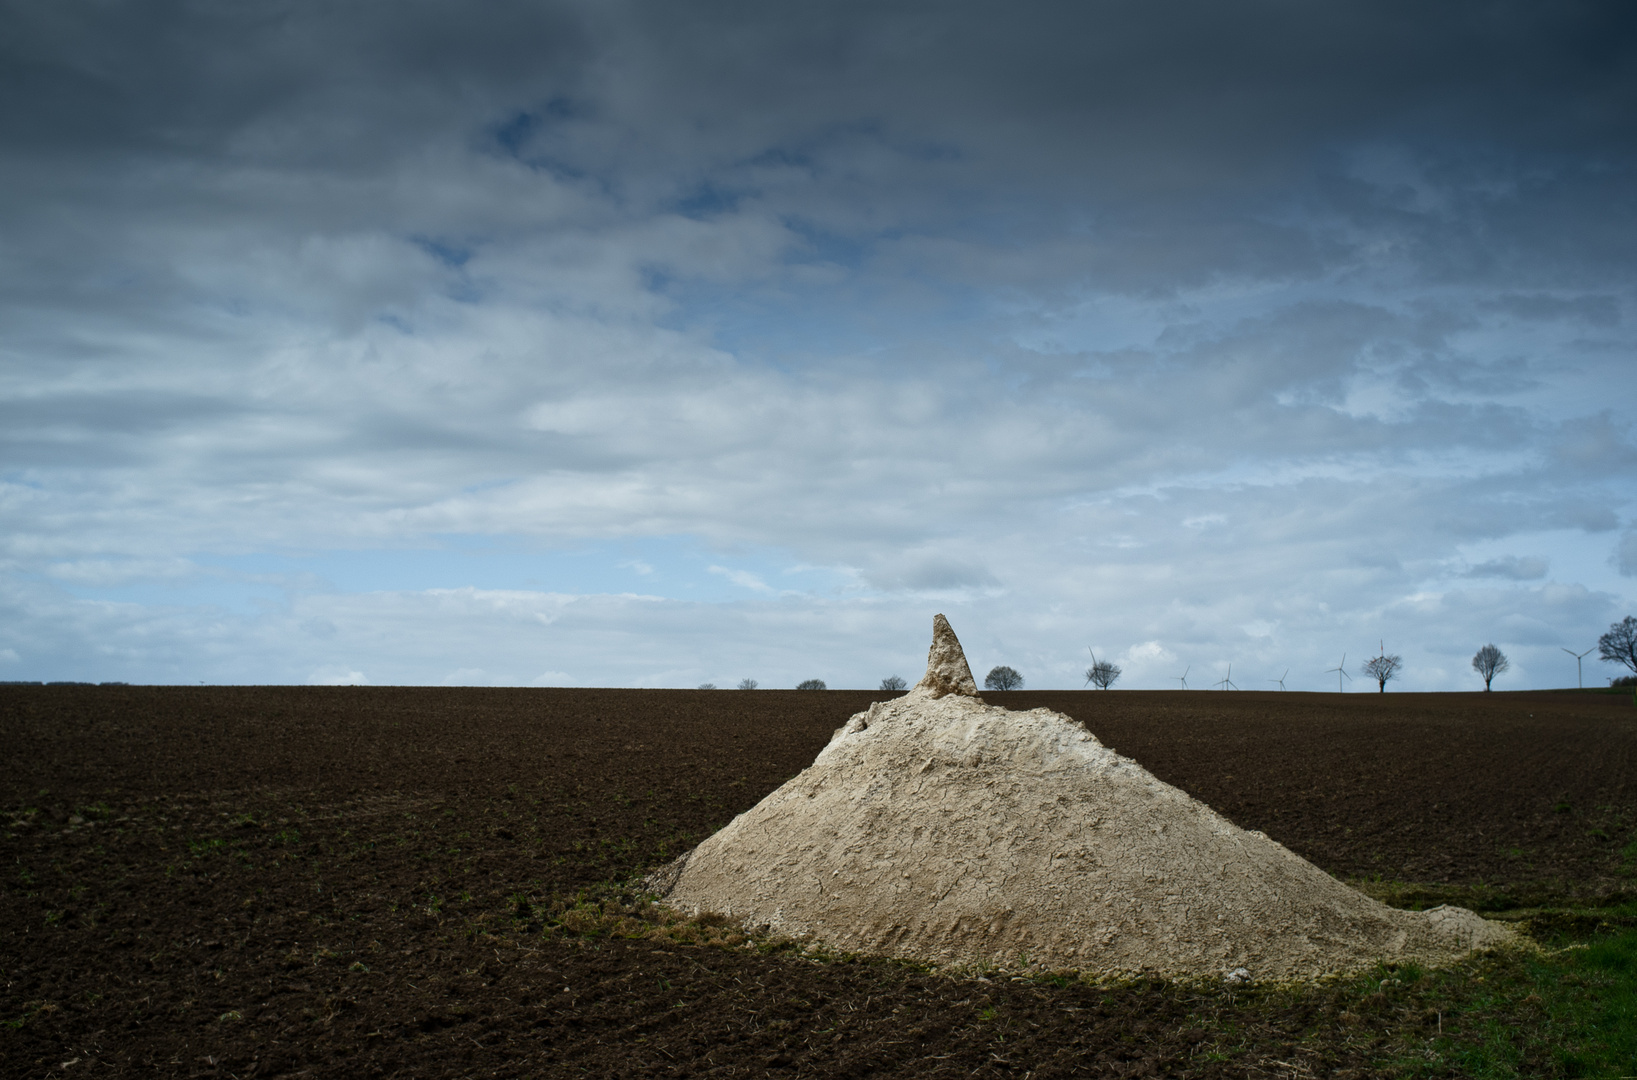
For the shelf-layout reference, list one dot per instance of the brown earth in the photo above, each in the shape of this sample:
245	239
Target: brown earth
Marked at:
374	882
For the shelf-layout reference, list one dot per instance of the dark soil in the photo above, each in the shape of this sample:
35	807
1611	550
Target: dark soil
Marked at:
383	882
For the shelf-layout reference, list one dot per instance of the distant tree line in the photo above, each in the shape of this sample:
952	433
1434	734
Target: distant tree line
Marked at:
1618	646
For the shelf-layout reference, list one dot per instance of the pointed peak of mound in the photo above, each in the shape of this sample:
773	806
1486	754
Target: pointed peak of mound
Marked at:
946	668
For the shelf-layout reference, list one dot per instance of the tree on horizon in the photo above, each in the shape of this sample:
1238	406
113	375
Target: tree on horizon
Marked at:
1384	668
1489	662
1002	677
1619	646
1103	674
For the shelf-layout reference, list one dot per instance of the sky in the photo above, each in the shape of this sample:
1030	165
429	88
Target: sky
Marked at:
656	344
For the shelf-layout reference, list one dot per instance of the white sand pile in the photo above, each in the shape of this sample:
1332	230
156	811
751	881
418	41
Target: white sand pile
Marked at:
941	829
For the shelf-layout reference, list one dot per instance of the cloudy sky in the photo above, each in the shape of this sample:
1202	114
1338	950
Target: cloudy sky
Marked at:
650	344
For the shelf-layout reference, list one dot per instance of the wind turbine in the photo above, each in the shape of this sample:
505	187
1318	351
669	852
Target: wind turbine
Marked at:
1227	683
1578	656
1281	679
1341	672
1183	678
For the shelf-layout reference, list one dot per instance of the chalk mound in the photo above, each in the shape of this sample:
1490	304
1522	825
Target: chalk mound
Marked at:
941	829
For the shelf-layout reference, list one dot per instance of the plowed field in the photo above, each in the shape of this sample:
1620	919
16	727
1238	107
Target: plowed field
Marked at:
383	882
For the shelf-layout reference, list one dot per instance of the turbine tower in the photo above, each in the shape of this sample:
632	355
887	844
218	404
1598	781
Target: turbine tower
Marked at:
1578	656
1227	683
1281	679
1183	678
1341	672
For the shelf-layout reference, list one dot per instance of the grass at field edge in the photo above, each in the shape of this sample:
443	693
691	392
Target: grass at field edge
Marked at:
1561	1004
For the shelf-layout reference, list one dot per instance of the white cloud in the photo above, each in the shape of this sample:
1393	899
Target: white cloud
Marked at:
742	578
947	332
333	676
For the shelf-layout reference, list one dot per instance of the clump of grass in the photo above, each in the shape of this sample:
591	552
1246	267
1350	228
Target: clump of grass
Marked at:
621	910
1509	901
615	916
1567	1012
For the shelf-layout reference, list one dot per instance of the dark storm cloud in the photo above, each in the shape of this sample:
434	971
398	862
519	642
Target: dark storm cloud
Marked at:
1207	131
1176	142
190	79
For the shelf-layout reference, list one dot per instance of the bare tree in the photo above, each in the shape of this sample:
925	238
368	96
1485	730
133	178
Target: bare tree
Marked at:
748	684
893	682
1489	662
1003	678
1384	668
1101	673
1619	646
707	686
811	684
